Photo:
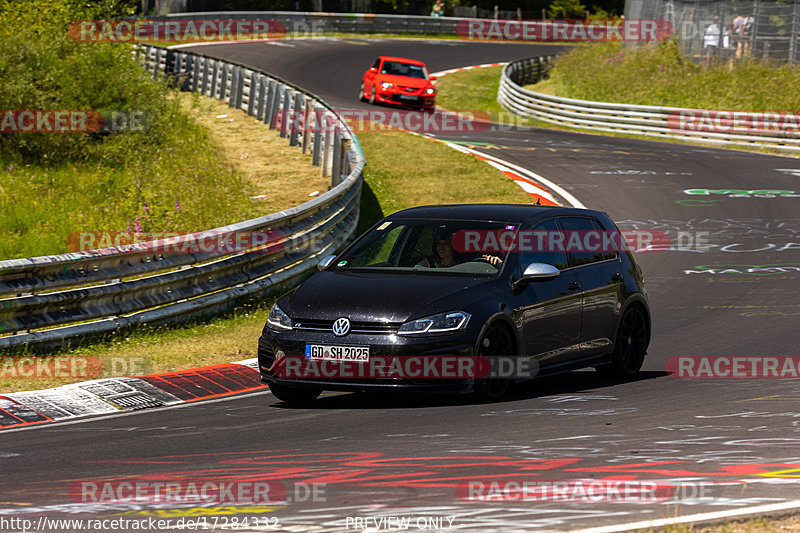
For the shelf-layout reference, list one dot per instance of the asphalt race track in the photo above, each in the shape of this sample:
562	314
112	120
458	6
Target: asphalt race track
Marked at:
723	288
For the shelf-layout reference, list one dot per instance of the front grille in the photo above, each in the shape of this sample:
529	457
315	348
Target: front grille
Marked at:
369	328
407	89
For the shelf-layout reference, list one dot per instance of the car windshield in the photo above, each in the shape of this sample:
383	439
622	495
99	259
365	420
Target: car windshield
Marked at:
428	247
396	68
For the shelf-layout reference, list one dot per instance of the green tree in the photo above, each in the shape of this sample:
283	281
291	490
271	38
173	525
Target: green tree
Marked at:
570	9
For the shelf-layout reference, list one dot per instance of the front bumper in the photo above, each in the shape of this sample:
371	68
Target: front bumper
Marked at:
273	346
405	99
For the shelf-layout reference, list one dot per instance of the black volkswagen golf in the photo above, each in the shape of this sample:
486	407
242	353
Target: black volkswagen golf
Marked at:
466	298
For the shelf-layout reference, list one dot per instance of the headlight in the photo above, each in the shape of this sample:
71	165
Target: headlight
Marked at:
430	90
441	323
277	319
386	85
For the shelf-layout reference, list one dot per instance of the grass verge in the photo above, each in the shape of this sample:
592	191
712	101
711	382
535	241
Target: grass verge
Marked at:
661	76
477	89
220	161
394	180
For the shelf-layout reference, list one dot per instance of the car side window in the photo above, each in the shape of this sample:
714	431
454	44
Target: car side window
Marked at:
376	64
581	240
607	253
542	247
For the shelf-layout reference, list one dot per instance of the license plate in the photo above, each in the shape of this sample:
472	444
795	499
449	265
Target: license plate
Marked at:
408	97
337	353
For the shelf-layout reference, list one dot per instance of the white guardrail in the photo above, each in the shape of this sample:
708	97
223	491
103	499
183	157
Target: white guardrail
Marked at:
723	127
50	300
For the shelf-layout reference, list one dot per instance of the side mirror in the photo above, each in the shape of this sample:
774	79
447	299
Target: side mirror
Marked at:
326	261
537	272
433	78
373	69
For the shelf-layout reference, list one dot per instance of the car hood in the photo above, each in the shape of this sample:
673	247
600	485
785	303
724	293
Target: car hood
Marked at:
405	81
371	297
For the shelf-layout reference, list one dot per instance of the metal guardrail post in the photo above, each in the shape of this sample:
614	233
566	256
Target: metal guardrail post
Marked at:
191	73
212	91
261	110
336	159
296	121
224	80
234	86
169	57
285	111
156	63
276	93
319	134
253	80
240	87
204	79
326	142
308	120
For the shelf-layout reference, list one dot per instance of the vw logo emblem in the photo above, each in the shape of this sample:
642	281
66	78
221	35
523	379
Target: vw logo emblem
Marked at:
341	327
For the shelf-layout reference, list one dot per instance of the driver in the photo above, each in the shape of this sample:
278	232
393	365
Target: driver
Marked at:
446	256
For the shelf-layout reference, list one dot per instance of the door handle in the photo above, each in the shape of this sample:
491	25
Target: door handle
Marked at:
575	285
616	276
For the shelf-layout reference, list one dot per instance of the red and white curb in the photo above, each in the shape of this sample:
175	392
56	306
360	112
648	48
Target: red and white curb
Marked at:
120	394
530	182
472	67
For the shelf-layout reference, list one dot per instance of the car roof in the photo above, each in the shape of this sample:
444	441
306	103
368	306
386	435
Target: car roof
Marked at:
403	59
517	213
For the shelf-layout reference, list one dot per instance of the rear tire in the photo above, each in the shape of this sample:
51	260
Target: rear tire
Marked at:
292	395
631	346
496	342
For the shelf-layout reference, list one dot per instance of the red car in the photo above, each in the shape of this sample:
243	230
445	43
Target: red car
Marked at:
399	81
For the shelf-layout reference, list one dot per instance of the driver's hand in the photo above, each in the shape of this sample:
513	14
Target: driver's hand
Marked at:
493	259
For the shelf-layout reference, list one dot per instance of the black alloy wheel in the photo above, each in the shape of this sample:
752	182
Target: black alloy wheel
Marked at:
496	343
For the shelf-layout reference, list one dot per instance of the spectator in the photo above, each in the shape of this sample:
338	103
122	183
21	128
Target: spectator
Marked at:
438	9
716	37
737	31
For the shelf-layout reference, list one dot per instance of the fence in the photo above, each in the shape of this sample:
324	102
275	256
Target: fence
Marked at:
771	27
721	127
312	24
49	300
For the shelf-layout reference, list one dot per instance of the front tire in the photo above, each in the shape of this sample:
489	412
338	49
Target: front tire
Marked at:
292	395
496	342
631	346
372	96
361	94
